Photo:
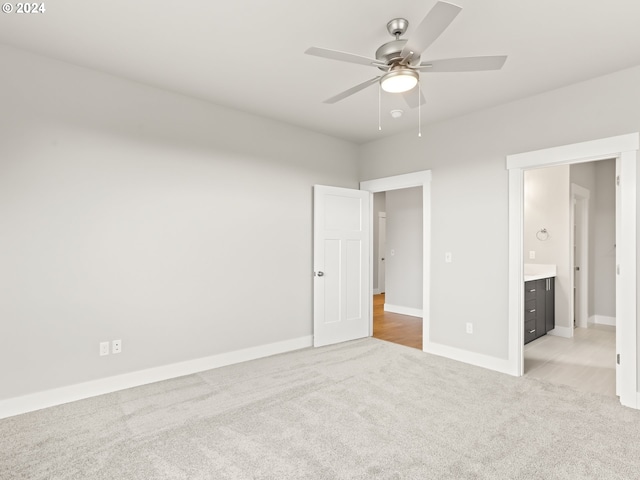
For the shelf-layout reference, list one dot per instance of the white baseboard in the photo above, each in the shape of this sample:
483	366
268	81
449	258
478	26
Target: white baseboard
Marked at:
71	393
414	312
603	320
635	406
478	359
565	332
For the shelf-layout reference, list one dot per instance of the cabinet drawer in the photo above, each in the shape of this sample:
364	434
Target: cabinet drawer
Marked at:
530	310
529	331
530	290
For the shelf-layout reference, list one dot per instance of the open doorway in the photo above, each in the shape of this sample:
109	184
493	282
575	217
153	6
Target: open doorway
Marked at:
569	228
417	285
397	302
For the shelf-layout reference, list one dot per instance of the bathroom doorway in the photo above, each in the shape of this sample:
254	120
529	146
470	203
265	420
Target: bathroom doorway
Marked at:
570	225
624	148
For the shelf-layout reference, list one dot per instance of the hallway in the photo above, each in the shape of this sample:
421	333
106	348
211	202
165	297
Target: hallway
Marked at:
393	327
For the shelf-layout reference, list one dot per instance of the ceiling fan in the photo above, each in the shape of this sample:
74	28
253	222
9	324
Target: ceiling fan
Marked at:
400	59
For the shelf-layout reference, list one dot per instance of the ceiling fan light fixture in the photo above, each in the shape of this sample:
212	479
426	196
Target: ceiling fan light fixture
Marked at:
399	80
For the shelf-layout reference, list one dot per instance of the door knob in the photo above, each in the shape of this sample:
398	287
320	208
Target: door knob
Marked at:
320	274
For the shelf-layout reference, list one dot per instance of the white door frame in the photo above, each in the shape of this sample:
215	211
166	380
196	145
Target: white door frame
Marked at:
397	182
625	149
580	195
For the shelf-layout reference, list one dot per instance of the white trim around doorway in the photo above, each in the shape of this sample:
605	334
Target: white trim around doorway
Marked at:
397	182
625	149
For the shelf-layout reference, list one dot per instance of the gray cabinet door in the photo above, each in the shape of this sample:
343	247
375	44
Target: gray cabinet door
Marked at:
541	326
549	312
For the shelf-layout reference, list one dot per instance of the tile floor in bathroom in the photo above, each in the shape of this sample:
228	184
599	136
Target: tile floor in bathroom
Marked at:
585	362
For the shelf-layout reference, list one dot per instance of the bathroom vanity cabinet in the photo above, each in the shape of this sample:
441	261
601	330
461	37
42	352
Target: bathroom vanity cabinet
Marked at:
539	308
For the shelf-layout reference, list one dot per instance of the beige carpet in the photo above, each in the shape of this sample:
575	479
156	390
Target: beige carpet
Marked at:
361	410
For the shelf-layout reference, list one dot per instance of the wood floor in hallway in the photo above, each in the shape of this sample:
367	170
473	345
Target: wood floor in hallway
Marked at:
393	327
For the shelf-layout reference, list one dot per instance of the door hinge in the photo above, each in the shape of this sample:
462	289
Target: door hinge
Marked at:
618	359
618	180
618	269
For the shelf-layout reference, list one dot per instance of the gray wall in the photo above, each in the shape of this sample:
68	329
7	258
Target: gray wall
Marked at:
469	192
599	179
547	205
403	278
131	213
604	239
584	174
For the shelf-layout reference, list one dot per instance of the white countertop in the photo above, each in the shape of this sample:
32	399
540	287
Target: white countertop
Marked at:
528	278
536	271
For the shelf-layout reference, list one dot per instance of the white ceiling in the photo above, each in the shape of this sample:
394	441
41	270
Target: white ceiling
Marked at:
249	54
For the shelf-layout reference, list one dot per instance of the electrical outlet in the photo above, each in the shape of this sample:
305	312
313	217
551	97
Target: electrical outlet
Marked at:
469	327
532	254
116	346
448	258
104	348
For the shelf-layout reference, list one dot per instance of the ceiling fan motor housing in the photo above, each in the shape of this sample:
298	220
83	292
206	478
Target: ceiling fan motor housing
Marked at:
390	52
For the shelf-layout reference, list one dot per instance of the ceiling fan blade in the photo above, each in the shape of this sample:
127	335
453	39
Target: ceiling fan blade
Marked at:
343	56
351	91
411	98
432	26
464	64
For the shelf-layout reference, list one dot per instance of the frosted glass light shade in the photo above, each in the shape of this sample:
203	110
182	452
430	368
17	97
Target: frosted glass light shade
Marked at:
400	80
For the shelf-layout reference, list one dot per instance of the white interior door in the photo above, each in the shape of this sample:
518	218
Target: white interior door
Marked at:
382	250
619	308
576	265
341	230
580	258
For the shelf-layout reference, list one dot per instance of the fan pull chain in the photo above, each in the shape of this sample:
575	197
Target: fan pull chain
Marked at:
419	111
379	106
